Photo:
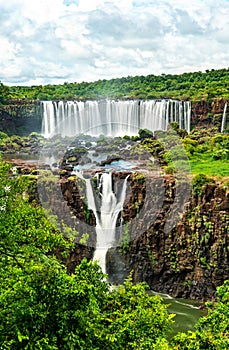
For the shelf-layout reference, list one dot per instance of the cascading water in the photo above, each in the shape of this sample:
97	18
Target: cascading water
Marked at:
112	118
106	209
224	118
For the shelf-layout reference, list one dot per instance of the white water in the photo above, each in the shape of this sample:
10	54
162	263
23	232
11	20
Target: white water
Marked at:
224	118
112	118
106	214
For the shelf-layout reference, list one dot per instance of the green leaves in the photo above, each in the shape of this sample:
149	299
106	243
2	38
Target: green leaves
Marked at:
137	318
4	93
208	152
193	86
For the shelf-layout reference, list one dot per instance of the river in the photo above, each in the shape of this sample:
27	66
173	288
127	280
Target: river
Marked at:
187	312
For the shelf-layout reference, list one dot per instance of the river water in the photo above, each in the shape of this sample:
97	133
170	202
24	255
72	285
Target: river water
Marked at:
187	312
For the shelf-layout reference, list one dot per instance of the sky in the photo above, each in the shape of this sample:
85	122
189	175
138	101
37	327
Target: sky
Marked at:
57	41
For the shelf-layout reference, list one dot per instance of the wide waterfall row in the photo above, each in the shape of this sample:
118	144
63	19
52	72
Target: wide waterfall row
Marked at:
112	118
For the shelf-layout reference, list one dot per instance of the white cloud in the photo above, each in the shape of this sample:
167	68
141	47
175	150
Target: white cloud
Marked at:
51	41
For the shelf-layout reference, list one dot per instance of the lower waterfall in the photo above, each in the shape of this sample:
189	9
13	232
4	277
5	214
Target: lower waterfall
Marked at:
112	118
106	206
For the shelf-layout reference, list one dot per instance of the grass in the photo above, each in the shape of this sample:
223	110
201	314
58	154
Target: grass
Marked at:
204	164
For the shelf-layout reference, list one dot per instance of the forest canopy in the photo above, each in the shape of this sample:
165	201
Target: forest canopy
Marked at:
187	86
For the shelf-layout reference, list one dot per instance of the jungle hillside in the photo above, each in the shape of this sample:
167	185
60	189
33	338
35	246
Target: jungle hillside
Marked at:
187	86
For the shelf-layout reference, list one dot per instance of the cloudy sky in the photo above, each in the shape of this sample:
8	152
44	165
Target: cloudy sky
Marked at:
54	41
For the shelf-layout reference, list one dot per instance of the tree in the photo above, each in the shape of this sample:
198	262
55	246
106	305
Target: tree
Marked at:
212	330
4	93
194	86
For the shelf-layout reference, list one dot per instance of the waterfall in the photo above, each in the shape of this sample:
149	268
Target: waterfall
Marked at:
106	209
112	118
224	118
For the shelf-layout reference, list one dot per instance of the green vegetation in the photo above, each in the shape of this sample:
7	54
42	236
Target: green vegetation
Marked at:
208	152
4	93
193	86
205	164
198	182
204	151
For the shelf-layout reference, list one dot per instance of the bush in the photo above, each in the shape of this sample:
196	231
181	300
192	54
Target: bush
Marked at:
3	135
197	184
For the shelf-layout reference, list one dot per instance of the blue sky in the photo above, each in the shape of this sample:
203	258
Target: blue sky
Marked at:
54	41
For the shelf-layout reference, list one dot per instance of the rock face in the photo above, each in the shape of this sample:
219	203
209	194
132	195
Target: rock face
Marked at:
192	259
207	114
200	111
21	117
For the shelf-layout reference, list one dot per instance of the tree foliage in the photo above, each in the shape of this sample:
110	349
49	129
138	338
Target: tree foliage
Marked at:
4	93
192	86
